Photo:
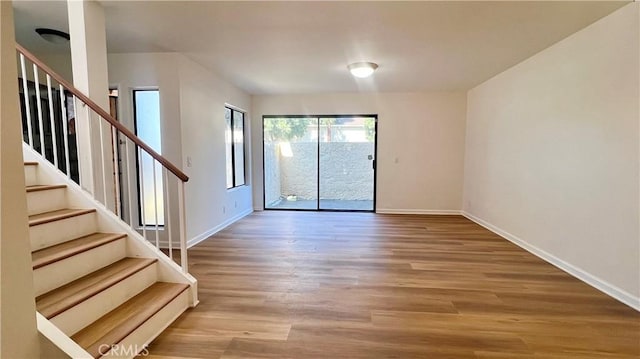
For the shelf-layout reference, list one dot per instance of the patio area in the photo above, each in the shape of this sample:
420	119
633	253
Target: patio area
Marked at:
333	204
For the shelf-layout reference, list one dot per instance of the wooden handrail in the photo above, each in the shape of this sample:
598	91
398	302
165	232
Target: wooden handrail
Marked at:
104	114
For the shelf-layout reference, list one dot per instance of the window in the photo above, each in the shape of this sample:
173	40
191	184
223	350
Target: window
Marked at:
146	111
234	141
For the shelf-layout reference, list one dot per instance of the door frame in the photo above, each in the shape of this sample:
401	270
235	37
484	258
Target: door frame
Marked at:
318	209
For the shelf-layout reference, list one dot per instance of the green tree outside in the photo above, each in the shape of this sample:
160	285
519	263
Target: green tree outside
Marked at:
287	129
370	128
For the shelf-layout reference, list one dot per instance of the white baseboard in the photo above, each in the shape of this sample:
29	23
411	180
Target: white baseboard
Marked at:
598	283
201	237
418	211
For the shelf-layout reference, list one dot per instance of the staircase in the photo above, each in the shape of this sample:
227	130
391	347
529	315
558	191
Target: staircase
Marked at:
109	292
103	286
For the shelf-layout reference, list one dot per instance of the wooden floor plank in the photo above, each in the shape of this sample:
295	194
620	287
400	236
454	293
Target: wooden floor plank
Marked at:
37	188
45	256
57	215
60	299
351	285
122	321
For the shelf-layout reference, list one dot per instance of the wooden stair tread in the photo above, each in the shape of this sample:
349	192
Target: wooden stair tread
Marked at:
67	249
36	188
119	323
30	163
59	300
57	215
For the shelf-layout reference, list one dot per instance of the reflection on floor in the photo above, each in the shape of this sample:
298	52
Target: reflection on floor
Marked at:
352	205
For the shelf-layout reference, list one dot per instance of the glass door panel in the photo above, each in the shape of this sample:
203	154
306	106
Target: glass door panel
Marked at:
346	163
291	162
147	124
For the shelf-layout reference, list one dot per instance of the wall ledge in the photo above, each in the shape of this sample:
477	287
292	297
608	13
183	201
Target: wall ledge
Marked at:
598	283
201	237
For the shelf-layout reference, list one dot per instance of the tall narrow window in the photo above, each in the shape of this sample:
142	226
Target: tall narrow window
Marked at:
150	182
234	140
228	140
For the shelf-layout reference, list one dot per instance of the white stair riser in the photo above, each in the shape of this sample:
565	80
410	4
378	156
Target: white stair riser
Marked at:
155	325
31	175
46	201
52	233
64	271
85	313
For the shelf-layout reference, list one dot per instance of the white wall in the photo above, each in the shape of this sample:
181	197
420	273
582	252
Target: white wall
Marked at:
192	102
59	63
420	143
146	71
128	72
203	96
552	154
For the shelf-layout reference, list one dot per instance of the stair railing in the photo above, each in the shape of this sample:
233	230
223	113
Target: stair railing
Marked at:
48	127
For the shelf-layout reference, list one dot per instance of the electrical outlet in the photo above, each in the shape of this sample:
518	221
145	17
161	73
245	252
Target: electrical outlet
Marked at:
224	209
189	161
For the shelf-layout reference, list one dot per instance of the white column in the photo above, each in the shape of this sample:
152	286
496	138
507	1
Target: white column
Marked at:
18	331
90	75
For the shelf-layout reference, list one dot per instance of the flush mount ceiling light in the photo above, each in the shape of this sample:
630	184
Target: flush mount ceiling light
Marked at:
362	69
53	36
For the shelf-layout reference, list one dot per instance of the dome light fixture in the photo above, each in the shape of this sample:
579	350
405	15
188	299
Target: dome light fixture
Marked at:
53	36
362	69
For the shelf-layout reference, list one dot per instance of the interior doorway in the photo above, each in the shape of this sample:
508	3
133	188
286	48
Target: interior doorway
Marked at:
320	163
116	154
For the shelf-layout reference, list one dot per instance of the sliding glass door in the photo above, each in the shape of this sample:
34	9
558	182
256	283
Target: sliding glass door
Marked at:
319	162
347	150
291	163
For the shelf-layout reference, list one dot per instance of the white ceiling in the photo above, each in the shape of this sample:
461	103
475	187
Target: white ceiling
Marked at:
267	47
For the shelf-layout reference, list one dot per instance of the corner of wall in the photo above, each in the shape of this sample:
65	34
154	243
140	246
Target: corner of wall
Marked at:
538	169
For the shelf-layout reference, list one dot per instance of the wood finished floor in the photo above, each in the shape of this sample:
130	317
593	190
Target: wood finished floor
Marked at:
350	285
